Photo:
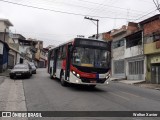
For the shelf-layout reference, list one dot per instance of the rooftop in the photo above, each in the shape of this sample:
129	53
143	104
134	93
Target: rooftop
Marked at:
6	21
155	17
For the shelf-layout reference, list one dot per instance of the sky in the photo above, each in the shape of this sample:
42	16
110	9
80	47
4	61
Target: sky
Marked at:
58	21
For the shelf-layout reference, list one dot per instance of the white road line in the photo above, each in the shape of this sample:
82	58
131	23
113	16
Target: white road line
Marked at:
119	96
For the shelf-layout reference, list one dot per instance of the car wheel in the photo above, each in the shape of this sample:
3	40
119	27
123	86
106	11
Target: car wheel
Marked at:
63	82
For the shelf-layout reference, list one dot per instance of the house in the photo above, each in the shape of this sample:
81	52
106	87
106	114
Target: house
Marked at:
26	48
4	49
151	35
134	57
118	49
6	36
40	55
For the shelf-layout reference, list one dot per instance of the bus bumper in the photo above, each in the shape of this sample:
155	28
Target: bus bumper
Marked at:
75	80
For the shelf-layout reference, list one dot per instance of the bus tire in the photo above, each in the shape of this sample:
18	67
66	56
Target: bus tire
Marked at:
51	76
63	82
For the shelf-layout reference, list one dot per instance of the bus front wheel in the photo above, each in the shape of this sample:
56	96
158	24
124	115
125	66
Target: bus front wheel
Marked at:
63	82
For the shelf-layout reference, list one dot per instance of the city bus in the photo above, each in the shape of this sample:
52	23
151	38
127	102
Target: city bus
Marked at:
81	61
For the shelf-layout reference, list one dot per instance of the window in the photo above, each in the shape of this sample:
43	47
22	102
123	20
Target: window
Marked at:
118	43
152	38
156	37
134	40
62	52
90	57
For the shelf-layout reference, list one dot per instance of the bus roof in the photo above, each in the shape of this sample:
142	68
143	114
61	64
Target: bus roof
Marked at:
74	39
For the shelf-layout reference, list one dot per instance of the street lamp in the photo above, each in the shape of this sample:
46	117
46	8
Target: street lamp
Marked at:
93	20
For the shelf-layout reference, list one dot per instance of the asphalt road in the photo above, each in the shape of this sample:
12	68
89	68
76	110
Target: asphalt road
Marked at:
43	94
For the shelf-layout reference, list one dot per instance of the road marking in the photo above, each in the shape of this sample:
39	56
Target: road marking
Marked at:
129	94
119	96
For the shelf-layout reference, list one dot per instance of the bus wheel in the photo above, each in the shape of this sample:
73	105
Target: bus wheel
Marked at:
63	83
51	76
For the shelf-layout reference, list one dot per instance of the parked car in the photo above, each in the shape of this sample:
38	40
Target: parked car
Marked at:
21	70
33	67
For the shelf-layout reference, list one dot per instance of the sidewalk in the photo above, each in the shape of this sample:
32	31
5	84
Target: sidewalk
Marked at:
140	83
5	73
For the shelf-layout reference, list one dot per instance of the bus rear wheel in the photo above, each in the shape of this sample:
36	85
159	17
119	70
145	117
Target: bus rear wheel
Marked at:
63	82
51	76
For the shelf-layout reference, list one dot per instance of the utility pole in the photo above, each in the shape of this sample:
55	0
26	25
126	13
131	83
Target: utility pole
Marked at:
157	4
93	20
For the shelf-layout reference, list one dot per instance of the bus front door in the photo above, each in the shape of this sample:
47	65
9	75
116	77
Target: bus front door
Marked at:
68	62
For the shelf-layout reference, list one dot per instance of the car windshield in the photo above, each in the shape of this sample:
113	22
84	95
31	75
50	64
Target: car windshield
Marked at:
90	57
21	67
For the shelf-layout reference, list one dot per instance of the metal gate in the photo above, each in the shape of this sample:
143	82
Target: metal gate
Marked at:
136	70
10	61
155	73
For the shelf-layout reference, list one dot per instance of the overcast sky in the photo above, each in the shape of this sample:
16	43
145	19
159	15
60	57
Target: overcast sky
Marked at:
63	20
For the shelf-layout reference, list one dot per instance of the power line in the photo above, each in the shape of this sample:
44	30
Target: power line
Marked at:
146	14
71	13
156	4
108	5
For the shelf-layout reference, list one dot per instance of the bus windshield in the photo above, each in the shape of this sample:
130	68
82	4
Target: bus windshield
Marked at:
90	57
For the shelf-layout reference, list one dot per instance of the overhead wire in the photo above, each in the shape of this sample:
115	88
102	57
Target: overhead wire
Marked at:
64	12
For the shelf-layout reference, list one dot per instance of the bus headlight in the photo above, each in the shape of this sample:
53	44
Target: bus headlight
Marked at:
74	72
78	75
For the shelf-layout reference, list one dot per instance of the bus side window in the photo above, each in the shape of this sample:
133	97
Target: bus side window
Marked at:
63	56
59	54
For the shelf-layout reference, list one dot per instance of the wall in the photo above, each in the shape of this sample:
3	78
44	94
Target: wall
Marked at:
151	27
37	55
3	59
3	26
134	51
1	48
150	48
118	53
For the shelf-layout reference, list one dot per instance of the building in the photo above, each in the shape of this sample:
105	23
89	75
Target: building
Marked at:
106	36
4	49
40	55
118	49
151	30
27	48
134	57
6	36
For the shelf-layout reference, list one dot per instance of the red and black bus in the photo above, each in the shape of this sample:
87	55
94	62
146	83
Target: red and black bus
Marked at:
81	61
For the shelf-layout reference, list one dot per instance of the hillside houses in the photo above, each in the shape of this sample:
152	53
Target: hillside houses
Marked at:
15	48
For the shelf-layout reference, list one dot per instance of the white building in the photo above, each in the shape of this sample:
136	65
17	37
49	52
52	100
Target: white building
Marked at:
118	49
